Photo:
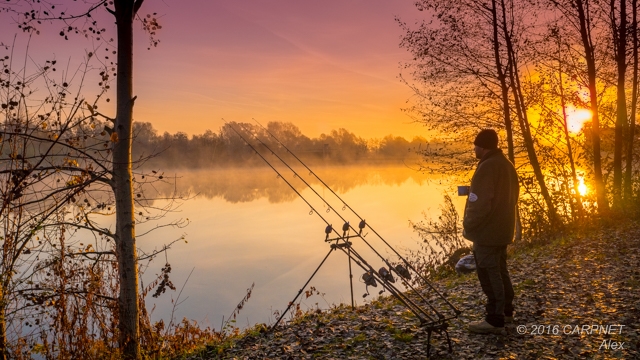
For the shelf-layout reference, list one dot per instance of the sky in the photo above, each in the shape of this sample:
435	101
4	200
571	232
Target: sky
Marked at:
321	65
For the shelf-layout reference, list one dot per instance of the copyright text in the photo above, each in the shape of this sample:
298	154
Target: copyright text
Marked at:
592	329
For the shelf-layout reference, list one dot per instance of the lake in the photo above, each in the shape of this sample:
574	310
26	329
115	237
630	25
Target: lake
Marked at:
247	226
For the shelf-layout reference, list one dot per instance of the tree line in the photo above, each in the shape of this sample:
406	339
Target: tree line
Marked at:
526	68
225	148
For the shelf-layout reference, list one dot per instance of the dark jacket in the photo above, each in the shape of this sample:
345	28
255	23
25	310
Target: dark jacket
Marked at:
490	213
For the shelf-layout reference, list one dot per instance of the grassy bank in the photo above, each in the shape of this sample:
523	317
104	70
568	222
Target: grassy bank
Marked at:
576	280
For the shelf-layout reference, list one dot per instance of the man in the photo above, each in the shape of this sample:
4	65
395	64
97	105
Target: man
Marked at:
489	222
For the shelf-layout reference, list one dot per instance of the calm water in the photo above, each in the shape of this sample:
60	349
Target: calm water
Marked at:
246	226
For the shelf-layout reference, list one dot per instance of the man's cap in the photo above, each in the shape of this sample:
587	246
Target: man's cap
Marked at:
487	139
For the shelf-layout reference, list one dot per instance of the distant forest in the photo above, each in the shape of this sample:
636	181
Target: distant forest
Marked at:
225	148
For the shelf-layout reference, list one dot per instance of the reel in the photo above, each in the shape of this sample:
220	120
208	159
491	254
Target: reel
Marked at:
386	275
402	271
369	280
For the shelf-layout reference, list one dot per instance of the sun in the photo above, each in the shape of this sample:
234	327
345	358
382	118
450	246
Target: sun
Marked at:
582	188
576	119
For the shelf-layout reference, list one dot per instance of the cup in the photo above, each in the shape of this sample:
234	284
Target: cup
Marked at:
463	190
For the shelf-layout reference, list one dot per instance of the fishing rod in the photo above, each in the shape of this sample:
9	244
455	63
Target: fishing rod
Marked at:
359	217
347	224
282	177
386	284
315	192
383	276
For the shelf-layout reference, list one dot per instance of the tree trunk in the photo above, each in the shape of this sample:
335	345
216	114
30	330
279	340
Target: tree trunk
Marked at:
503	83
521	113
128	307
628	189
508	124
585	33
565	126
620	54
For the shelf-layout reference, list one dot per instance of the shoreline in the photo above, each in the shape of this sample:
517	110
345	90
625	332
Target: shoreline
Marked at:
573	282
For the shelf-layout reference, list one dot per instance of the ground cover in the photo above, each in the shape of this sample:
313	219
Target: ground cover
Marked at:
577	297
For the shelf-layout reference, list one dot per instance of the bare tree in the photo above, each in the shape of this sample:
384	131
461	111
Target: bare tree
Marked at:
59	265
124	13
628	188
508	23
51	155
619	31
579	11
469	80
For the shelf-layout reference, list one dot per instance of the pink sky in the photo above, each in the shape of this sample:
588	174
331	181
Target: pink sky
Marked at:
321	65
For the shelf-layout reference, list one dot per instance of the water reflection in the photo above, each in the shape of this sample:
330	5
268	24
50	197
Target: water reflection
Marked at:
247	226
237	185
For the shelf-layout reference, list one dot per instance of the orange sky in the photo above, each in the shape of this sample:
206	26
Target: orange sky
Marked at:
320	65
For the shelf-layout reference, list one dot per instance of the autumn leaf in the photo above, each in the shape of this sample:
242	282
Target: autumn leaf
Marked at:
71	162
114	137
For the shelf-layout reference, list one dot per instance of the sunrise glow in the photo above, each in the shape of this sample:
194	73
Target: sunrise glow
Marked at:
576	119
582	188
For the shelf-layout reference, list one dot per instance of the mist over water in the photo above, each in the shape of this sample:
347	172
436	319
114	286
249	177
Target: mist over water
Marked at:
246	184
247	225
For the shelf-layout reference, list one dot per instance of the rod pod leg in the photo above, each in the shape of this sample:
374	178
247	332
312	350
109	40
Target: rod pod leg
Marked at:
301	290
353	306
441	328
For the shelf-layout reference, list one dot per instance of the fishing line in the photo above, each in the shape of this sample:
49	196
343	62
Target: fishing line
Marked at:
351	253
388	286
439	325
296	175
311	172
282	177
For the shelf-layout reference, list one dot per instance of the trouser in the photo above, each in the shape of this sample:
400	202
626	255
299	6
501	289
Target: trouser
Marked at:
491	265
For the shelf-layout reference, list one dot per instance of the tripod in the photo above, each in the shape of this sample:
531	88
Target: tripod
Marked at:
434	321
343	243
332	249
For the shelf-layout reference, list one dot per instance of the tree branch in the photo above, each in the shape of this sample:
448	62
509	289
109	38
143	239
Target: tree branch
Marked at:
137	5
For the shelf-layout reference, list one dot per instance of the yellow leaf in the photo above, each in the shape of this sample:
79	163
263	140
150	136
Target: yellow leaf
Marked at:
114	137
71	162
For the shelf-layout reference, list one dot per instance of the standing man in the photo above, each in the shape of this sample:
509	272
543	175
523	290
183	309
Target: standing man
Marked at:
489	222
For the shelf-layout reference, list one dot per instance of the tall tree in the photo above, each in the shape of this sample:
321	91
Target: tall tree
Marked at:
619	38
453	59
502	78
124	12
628	188
128	306
579	16
521	107
584	22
